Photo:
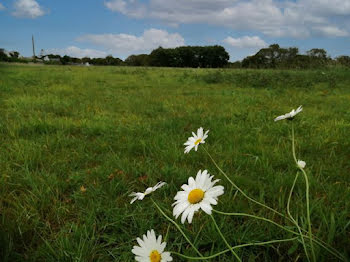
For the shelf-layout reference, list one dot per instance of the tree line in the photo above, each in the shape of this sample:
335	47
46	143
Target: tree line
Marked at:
274	57
184	56
289	58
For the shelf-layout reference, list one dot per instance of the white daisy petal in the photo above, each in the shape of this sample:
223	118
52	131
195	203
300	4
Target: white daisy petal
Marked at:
291	114
149	190
199	193
195	140
185	214
151	246
166	257
206	207
178	209
301	164
200	132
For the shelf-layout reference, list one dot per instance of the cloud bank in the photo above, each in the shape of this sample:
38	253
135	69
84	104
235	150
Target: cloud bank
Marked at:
245	42
74	51
125	44
298	19
27	9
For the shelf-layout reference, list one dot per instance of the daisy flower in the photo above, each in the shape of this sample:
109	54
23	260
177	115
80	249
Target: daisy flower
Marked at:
290	115
195	140
151	249
149	190
200	193
301	164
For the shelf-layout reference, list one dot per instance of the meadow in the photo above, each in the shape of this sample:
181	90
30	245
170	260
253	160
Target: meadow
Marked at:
76	141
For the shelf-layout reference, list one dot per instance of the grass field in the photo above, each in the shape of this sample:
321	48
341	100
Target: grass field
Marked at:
114	130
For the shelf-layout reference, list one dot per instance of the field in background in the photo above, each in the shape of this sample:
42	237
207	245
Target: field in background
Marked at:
114	130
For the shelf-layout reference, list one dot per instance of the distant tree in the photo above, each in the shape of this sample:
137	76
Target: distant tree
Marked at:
65	60
237	64
3	56
272	57
138	60
317	52
190	56
161	57
343	60
51	56
86	60
14	54
318	57
110	60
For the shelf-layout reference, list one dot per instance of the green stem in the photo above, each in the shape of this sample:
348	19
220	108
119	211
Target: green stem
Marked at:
235	247
319	241
223	238
256	217
292	218
240	190
307	196
335	253
178	227
330	249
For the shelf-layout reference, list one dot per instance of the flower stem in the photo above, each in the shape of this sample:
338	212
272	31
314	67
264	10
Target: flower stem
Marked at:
335	253
307	196
240	190
292	218
256	217
235	247
223	238
316	240
178	227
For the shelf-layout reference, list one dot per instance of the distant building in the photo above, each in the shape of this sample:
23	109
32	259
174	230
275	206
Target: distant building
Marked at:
87	64
46	58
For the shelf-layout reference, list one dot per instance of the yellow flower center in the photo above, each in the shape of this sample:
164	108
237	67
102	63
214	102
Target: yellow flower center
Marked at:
155	256
195	196
198	141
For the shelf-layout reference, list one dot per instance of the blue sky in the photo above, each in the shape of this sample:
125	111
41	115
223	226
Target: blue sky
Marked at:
123	27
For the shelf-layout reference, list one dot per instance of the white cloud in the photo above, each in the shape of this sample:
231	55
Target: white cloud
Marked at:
117	5
326	7
74	51
125	44
27	9
130	8
288	18
2	7
331	31
245	42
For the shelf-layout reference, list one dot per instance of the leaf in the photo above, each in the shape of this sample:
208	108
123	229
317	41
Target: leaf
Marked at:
293	248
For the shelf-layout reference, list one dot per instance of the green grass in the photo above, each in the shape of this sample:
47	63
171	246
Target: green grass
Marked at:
115	130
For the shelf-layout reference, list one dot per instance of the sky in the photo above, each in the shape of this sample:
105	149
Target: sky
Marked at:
123	27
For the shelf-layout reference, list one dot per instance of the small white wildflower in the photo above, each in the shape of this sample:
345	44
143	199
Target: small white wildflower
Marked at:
290	115
195	140
151	249
149	190
301	164
200	193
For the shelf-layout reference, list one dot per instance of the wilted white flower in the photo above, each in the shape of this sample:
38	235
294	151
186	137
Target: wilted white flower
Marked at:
289	115
200	193
149	190
301	164
151	249
195	140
